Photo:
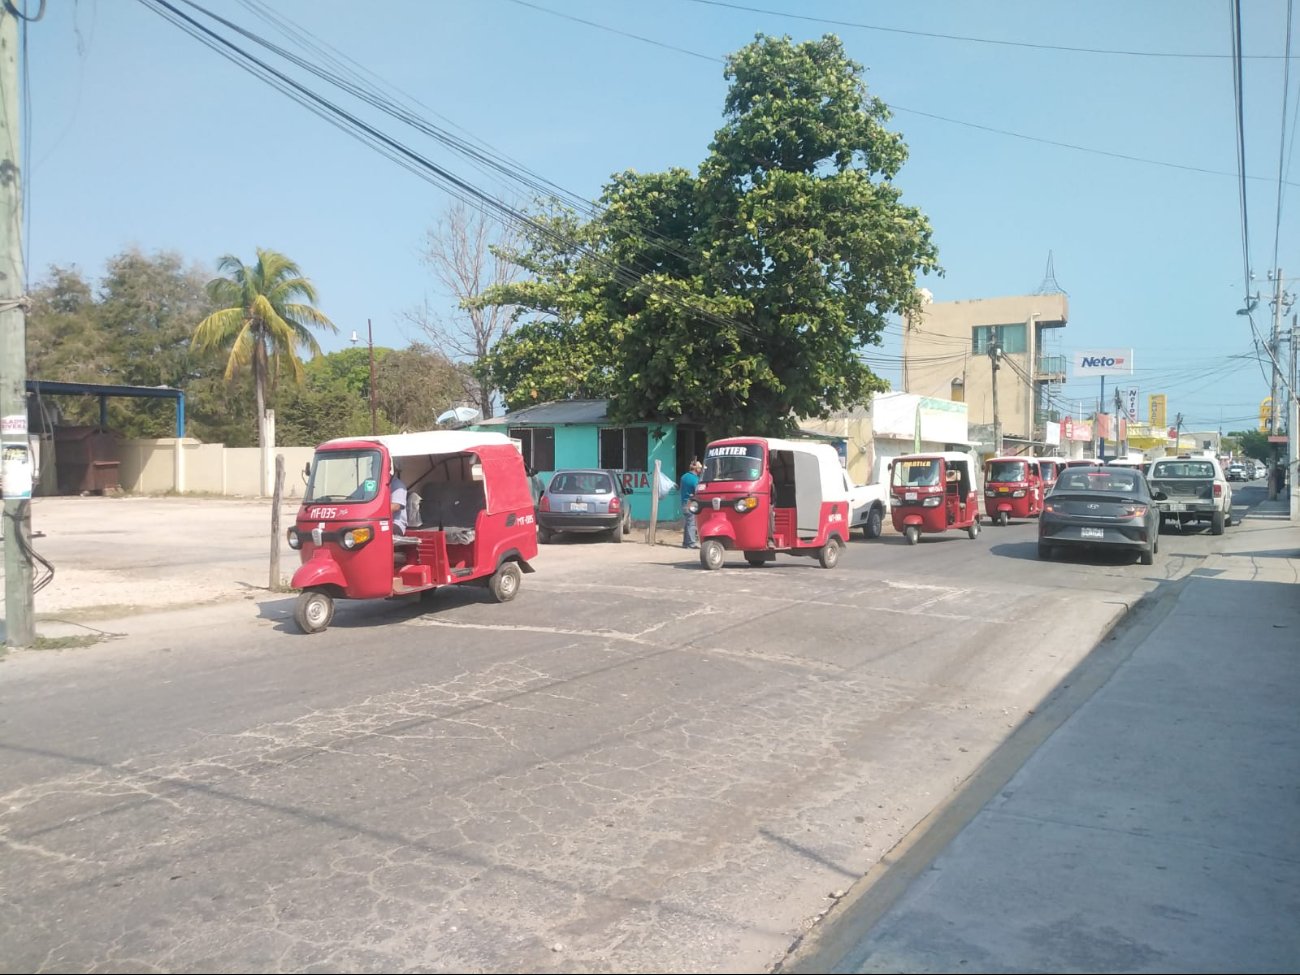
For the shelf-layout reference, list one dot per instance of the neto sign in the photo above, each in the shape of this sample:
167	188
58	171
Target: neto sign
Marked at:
1103	362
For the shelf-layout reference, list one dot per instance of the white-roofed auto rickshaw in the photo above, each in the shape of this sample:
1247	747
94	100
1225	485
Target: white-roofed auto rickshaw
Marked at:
763	496
469	518
932	493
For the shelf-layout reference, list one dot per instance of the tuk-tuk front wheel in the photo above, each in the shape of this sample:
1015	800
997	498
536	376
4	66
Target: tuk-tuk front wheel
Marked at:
313	611
1003	518
711	554
912	534
504	584
829	556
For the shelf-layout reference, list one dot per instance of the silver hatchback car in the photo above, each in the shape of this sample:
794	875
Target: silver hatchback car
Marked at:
584	501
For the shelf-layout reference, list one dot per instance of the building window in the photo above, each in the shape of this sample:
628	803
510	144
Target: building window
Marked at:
1011	338
624	448
538	446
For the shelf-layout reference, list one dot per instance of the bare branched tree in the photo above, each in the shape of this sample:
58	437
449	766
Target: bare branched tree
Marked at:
466	253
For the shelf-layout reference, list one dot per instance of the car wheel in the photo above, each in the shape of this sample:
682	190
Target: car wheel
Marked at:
313	611
875	523
1227	518
616	533
912	534
1216	523
545	535
1045	551
1148	555
829	556
711	554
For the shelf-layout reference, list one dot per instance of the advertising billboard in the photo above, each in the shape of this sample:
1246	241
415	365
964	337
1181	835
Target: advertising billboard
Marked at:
1102	362
1156	410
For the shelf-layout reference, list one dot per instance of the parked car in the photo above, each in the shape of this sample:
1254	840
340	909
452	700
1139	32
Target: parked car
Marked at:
1100	507
1237	472
1260	470
584	501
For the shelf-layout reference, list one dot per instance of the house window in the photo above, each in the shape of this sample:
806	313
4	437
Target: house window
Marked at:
624	448
1011	338
538	446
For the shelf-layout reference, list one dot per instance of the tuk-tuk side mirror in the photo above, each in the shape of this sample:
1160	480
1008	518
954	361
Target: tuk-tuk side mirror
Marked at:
306	470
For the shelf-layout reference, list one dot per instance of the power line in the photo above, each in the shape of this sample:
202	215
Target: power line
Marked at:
968	39
1281	146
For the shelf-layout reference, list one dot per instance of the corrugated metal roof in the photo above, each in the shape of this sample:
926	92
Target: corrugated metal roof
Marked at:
569	411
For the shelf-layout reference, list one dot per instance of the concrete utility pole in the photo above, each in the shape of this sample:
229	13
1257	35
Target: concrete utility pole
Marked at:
995	354
15	449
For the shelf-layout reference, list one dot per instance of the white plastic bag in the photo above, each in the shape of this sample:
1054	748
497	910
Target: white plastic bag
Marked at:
666	485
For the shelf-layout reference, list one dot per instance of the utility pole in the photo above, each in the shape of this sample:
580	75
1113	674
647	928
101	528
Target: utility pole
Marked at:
1178	433
995	354
374	421
15	449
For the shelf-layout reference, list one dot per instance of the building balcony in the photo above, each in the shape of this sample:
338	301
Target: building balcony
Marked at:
1051	369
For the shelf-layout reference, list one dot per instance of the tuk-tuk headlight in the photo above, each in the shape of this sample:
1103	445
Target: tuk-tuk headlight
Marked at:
294	539
746	504
990	493
932	502
693	506
1017	494
356	537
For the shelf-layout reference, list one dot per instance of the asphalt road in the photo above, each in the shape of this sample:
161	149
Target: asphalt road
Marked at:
636	765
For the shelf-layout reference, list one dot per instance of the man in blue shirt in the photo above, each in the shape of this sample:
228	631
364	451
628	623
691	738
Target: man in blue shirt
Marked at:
690	481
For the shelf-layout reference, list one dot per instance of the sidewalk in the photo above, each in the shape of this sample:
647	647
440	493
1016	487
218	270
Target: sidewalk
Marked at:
1148	820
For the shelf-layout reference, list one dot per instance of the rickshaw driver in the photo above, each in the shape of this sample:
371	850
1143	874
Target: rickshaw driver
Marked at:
397	495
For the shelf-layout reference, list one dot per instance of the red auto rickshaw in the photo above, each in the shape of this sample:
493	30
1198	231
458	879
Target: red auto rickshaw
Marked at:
932	493
1013	488
1049	469
469	511
764	496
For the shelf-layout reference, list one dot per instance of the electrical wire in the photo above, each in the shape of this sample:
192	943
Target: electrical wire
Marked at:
968	39
1281	147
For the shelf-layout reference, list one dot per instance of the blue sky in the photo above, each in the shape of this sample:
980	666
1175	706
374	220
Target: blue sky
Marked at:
139	136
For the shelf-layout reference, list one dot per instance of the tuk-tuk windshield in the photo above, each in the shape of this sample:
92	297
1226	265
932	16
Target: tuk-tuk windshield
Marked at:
1007	471
733	462
916	473
344	475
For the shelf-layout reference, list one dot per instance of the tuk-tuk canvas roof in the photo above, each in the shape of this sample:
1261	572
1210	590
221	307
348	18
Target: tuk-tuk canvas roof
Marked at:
432	442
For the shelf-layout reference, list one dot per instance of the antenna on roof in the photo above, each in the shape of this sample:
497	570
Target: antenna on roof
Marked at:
1049	285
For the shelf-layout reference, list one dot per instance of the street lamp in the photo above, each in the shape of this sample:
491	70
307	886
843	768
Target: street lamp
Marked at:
370	339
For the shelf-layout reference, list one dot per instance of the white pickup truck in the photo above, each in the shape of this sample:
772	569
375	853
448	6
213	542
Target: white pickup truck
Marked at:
1189	489
868	506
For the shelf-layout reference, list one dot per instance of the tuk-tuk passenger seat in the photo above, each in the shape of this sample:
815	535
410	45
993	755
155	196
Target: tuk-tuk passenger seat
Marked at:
452	507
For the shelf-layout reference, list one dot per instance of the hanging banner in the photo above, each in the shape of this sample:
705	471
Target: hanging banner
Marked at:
1132	406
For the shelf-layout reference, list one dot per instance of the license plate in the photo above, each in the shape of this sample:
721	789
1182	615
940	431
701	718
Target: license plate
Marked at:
1176	507
909	496
577	505
1091	533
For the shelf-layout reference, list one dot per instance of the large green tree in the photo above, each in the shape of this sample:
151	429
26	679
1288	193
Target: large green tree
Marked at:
265	315
741	295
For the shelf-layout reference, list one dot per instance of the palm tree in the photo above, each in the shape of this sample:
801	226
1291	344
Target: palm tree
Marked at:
266	316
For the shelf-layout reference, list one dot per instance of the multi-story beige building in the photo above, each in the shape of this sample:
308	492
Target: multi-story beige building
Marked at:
946	354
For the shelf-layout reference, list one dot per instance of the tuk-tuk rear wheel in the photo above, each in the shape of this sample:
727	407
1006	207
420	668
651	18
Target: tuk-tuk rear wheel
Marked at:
711	554
829	556
974	530
504	584
313	611
755	558
912	534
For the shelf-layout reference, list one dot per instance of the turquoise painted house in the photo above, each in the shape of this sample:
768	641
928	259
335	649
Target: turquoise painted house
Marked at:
577	433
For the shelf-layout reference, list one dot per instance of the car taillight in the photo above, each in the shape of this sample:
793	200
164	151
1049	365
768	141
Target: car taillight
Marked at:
1135	511
544	504
1218	490
615	506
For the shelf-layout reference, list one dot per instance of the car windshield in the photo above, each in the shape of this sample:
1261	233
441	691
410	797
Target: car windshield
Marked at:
1109	481
1003	471
916	473
343	475
582	482
733	462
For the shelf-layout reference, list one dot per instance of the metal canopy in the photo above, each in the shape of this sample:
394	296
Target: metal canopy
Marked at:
45	387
